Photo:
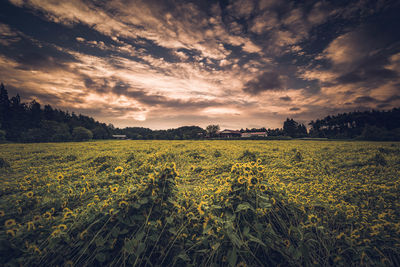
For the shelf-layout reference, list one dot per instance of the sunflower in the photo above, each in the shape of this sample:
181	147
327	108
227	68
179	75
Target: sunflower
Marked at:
262	187
111	211
253	181
60	177
260	168
68	214
29	194
10	232
36	218
119	170
70	191
241	180
286	242
114	189
31	225
2	213
62	227
199	207
83	234
259	161
83	177
47	215
9	223
123	204
313	219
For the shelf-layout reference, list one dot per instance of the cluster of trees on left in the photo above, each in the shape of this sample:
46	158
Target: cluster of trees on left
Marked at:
29	122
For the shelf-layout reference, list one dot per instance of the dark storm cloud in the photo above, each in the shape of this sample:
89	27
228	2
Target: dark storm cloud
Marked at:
294	109
267	81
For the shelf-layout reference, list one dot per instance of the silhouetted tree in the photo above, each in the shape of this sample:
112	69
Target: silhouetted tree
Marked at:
212	130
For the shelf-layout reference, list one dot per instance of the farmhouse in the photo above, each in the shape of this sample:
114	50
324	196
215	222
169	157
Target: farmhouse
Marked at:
254	134
119	136
229	133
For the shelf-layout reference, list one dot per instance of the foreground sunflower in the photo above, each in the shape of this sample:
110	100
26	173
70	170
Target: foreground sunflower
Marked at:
9	223
114	189
119	170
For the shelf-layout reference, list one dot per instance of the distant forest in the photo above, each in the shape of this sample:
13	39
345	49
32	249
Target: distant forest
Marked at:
30	122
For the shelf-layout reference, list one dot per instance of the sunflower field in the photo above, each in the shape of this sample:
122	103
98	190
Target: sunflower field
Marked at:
200	203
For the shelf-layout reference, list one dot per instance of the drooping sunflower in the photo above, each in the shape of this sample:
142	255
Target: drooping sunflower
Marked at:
119	170
9	223
83	234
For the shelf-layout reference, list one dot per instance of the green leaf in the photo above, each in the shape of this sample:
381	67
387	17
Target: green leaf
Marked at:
243	206
184	256
143	200
256	240
232	257
141	247
235	239
100	241
101	257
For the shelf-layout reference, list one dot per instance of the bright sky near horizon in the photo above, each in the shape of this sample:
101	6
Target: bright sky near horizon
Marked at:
165	64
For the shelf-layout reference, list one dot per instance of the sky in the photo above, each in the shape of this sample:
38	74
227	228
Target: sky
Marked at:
165	64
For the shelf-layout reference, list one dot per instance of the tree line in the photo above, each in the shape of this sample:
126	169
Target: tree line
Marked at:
32	122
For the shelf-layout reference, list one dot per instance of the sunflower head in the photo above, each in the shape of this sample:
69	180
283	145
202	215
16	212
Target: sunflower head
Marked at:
60	176
119	170
62	227
123	204
36	218
9	223
262	187
313	219
254	181
241	180
114	189
2	213
29	194
47	215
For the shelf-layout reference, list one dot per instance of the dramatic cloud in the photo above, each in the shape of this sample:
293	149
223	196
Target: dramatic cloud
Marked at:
164	64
